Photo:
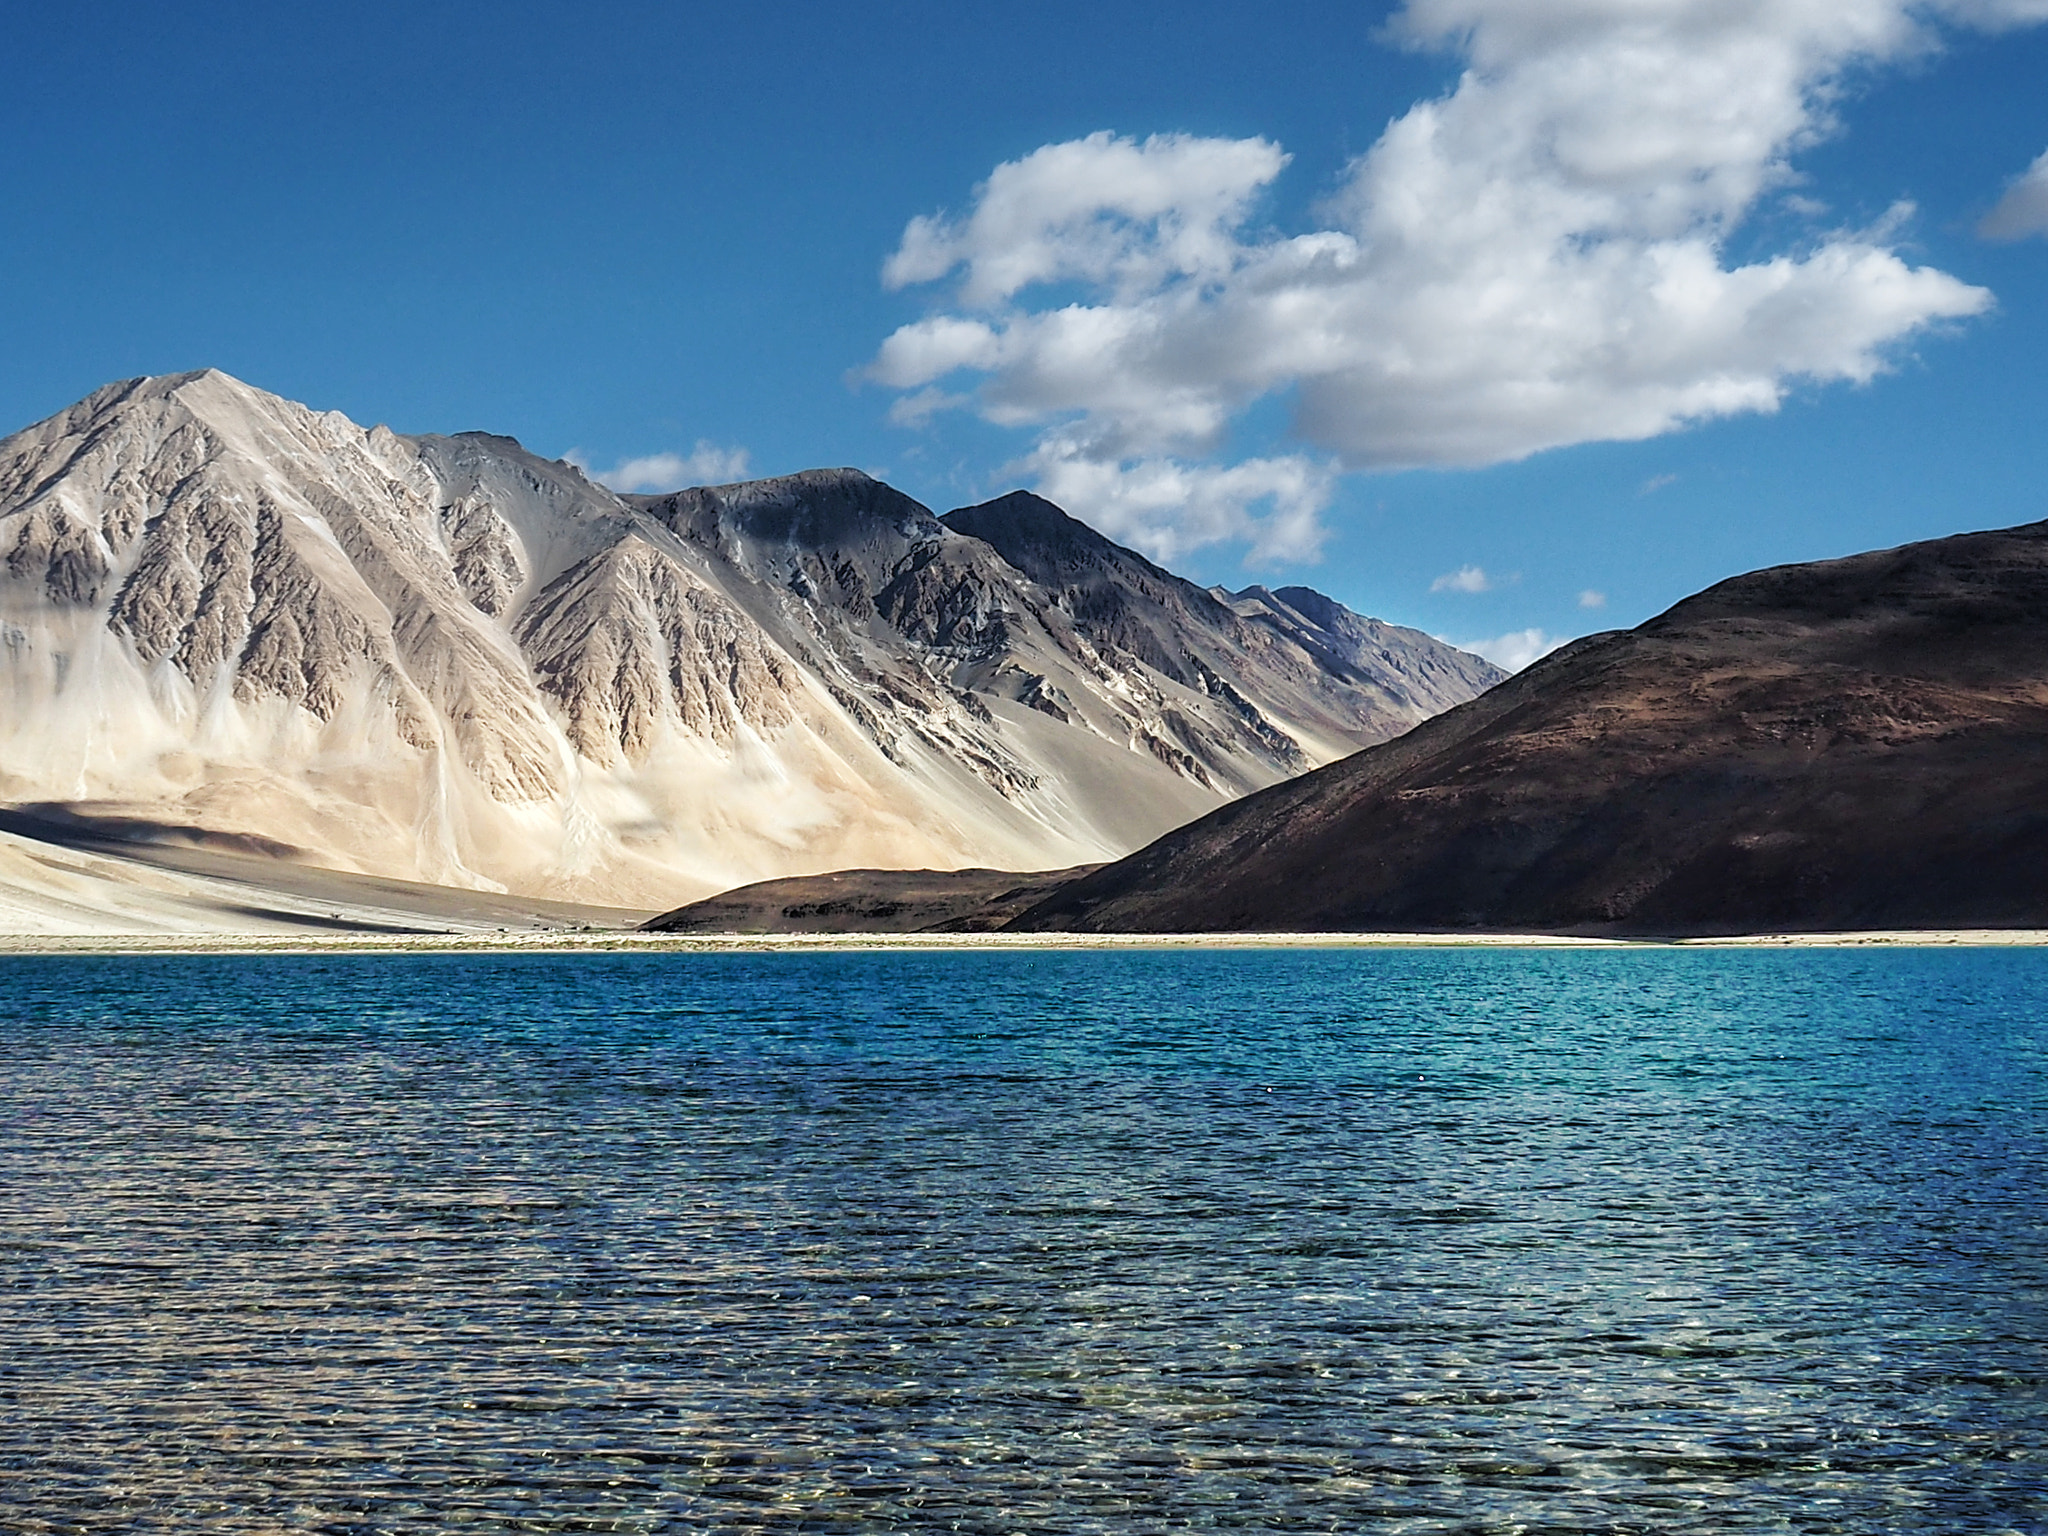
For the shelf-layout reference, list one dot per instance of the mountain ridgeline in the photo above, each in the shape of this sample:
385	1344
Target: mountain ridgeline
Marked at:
224	615
1852	744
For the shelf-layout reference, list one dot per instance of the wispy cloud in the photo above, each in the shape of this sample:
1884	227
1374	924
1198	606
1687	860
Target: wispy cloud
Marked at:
706	464
1466	578
1591	599
914	410
2023	211
1655	483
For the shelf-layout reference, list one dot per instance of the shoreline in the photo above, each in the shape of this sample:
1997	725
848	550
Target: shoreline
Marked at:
633	942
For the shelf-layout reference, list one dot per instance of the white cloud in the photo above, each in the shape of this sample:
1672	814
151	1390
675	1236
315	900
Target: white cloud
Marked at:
1515	650
1100	210
1591	599
933	348
1655	483
1466	578
914	410
1534	259
2023	211
706	464
1166	507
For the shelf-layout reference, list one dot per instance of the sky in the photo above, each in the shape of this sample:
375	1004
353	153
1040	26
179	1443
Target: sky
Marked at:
1508	319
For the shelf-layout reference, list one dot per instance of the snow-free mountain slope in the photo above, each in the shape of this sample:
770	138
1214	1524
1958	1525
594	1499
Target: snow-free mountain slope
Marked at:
65	874
448	659
1314	702
1419	675
1857	743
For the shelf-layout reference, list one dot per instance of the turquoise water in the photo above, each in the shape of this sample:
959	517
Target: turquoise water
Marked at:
1360	1241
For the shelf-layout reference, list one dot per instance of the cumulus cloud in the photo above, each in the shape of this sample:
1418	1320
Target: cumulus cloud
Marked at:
1166	507
706	464
1514	650
1466	578
1102	210
2023	211
1535	259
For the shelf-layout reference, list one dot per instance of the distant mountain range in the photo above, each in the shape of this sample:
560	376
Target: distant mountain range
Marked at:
228	619
1858	743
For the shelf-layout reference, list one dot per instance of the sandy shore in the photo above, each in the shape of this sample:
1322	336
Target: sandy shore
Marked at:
658	943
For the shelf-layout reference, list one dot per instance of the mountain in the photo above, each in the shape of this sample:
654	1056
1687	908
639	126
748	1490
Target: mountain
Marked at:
1415	677
447	659
1112	604
1858	743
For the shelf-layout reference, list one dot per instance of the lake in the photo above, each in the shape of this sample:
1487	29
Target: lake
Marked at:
1426	1240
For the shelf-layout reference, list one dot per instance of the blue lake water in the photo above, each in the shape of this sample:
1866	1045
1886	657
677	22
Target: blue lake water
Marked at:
1405	1241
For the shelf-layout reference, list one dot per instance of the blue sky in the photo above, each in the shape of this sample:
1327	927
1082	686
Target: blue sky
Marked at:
1255	335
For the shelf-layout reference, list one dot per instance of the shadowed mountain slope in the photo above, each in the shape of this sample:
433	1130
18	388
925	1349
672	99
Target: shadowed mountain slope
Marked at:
1318	672
1857	743
870	901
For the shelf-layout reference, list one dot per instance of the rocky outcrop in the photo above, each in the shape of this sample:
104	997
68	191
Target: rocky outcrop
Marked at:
629	643
445	658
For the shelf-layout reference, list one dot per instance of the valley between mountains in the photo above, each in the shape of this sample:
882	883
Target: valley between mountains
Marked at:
243	635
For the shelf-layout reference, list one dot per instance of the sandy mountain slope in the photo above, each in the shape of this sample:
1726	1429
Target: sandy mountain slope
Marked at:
446	659
1858	743
69	878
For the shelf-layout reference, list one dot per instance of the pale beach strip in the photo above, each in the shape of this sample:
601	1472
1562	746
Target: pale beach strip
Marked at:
630	942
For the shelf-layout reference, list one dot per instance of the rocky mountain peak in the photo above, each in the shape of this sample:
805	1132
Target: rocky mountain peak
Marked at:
216	400
1043	540
1310	604
498	443
815	509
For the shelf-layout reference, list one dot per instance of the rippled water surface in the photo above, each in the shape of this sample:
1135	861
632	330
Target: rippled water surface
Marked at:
1429	1241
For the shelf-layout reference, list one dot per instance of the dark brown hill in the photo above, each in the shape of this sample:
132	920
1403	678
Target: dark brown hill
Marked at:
1858	743
870	901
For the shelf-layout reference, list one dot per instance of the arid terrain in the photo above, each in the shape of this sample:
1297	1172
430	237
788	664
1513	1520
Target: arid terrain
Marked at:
871	901
448	661
1852	744
268	672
